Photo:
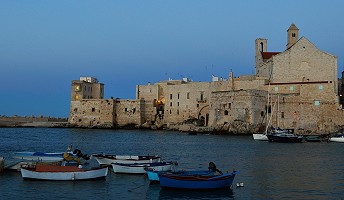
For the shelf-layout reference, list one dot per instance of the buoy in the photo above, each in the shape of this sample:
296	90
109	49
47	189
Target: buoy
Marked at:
240	184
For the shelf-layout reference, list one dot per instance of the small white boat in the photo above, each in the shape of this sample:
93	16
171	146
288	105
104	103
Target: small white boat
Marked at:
62	173
260	137
125	159
139	168
337	138
39	156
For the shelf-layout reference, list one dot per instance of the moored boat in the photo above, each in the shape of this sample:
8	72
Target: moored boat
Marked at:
62	173
153	176
337	138
104	159
260	137
196	181
285	138
39	156
139	168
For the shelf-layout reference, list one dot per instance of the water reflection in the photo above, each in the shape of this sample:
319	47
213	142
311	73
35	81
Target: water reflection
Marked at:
225	193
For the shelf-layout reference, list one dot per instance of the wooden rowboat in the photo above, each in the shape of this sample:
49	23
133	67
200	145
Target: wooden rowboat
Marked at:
104	159
196	181
139	168
62	173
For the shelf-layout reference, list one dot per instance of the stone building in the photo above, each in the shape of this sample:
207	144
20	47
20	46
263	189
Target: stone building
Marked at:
295	88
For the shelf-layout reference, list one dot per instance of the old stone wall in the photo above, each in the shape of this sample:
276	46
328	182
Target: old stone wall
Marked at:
92	113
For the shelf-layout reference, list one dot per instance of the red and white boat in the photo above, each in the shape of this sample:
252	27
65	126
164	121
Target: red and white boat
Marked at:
62	173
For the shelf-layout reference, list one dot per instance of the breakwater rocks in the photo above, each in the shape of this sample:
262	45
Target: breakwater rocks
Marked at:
32	121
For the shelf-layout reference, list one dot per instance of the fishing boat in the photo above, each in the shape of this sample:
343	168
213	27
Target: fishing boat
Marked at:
62	173
104	159
196	181
313	138
39	156
285	138
139	168
153	175
337	138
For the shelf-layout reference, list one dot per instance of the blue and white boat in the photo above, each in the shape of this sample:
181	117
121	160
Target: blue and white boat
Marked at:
194	182
39	156
153	176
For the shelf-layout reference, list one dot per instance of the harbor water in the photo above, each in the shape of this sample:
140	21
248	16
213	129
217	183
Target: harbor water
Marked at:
268	170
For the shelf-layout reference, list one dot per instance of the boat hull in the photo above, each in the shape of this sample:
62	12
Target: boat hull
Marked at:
109	159
336	139
284	139
153	176
260	137
196	182
39	156
64	175
139	168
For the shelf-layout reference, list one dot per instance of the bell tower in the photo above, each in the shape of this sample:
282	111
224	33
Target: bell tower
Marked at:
293	35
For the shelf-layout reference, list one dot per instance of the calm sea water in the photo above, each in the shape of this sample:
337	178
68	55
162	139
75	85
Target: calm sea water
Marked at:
268	170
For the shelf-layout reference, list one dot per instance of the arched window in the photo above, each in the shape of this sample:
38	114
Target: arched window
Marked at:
261	47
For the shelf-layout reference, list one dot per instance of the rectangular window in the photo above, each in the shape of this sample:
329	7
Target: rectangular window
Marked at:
188	95
178	104
93	109
282	114
229	105
201	96
321	87
171	104
317	103
291	88
178	95
177	112
197	105
170	96
276	89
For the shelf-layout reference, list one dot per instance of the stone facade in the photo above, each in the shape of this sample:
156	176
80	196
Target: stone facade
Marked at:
296	88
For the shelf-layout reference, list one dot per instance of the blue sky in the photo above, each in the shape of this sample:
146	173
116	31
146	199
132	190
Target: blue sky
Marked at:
44	45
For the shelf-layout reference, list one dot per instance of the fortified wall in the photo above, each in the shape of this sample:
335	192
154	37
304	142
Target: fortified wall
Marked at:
296	88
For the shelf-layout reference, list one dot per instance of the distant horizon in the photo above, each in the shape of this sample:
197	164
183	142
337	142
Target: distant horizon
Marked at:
47	44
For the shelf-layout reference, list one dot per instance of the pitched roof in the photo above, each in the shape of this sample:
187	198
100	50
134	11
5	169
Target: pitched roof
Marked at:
268	55
293	27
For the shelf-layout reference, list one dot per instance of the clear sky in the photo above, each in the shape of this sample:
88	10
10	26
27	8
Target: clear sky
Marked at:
44	45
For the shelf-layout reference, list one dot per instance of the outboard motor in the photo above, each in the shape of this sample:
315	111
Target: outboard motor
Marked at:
78	153
212	167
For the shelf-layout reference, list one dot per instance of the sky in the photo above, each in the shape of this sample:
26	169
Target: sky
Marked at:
44	45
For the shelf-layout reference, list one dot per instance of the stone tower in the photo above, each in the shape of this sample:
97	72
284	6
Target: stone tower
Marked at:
87	88
261	46
293	35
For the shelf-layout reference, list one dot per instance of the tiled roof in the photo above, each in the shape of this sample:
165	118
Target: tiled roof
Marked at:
268	55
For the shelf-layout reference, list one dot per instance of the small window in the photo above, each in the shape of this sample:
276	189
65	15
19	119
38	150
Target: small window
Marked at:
321	87
201	96
262	113
276	89
317	103
93	109
170	96
170	111
178	95
291	88
171	104
293	35
188	95
178	104
126	109
177	112
226	112
229	105
282	114
197	105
